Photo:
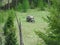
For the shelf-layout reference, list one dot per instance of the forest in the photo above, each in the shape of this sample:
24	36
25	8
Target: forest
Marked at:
29	22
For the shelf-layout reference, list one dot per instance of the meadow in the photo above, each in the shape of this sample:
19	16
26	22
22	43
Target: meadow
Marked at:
44	31
28	29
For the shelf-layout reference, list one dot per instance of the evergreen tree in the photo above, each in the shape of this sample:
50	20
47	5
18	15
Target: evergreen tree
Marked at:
40	4
25	5
11	38
53	34
35	3
0	40
9	23
9	30
0	2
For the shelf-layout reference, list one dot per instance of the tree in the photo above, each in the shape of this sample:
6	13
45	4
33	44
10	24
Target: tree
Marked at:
9	30
11	38
53	34
8	4
40	4
25	5
0	2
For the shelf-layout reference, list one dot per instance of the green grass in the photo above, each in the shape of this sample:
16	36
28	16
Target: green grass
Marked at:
28	29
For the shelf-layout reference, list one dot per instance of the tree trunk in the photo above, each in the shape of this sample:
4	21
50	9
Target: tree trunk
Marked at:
8	4
49	3
20	31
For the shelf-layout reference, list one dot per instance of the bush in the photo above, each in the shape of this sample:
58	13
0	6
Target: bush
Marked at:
9	23
19	7
41	4
9	30
3	16
25	5
53	35
11	38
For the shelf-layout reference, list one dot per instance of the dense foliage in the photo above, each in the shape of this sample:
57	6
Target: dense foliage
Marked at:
25	5
41	4
9	30
53	32
52	36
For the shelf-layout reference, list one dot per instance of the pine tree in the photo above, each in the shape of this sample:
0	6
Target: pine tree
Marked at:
53	33
25	5
35	3
9	30
9	23
40	4
11	38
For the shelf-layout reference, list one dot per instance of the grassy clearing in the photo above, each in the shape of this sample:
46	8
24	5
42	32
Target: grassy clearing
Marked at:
28	29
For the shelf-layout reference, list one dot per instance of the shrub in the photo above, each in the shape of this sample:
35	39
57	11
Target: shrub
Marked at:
25	5
40	4
19	7
9	30
3	16
53	33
